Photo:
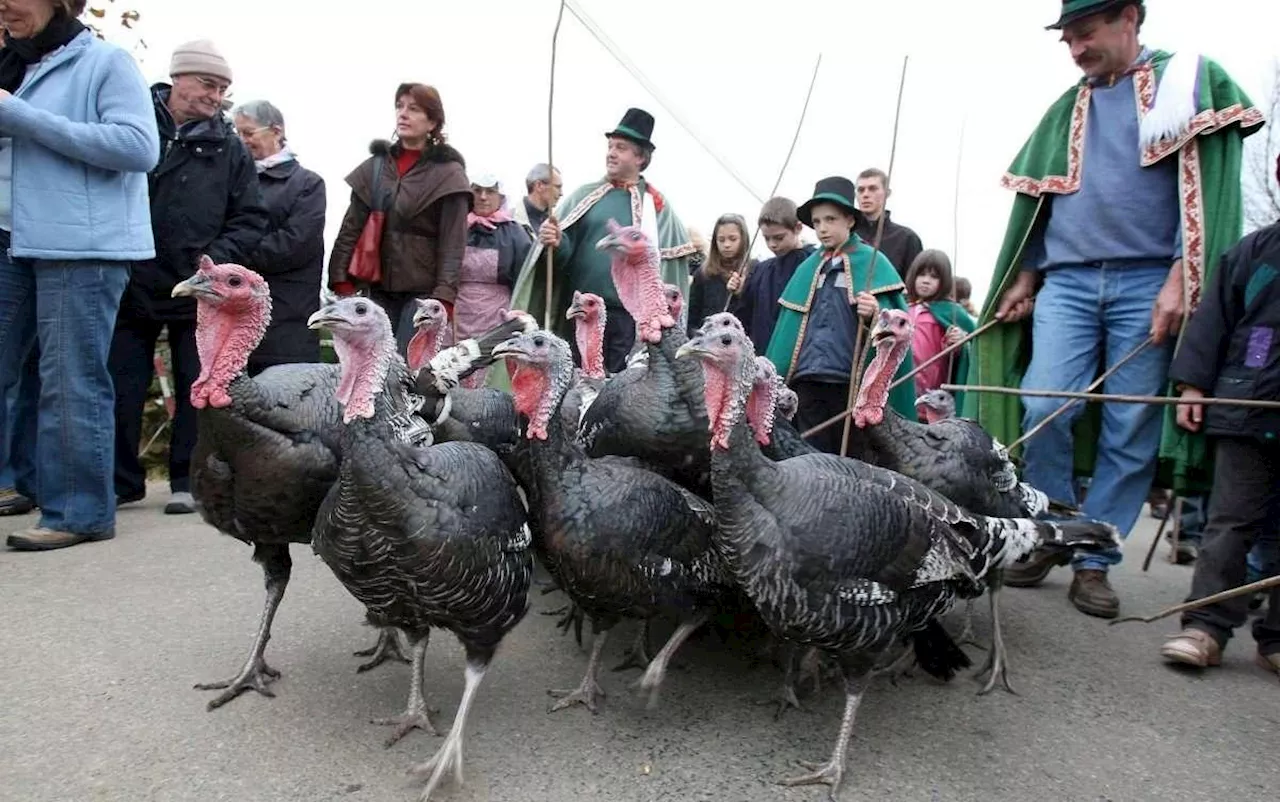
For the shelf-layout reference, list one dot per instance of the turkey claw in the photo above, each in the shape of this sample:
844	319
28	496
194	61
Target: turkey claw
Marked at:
406	723
253	677
828	774
386	650
587	694
783	699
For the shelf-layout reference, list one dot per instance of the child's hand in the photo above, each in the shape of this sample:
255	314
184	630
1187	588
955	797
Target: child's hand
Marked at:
735	283
954	335
1190	414
867	305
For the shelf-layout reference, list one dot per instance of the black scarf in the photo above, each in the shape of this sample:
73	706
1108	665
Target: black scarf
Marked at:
19	54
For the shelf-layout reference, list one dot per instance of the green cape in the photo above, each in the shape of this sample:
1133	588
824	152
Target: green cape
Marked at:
1208	147
948	314
886	285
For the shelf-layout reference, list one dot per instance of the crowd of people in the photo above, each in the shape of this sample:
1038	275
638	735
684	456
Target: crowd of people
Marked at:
111	191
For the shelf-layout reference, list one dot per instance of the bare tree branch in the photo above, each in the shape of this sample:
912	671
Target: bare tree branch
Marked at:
1261	191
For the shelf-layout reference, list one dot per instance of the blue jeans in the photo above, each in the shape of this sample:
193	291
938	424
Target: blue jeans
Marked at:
18	427
69	308
1086	315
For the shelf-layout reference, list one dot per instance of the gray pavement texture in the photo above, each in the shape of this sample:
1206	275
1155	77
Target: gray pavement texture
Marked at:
102	644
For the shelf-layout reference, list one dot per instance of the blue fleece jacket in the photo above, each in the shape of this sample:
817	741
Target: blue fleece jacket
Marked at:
84	137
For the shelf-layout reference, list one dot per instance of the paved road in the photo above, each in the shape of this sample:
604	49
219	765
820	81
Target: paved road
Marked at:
101	645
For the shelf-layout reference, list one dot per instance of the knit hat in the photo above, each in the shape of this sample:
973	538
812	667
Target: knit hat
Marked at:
200	57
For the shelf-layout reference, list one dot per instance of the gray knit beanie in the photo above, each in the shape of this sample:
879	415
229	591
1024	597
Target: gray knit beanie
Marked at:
202	57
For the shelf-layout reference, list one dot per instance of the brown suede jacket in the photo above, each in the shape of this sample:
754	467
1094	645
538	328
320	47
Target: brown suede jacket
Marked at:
426	227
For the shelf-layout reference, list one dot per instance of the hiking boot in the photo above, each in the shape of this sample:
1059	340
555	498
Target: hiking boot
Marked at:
1192	647
1035	568
1091	593
41	539
180	504
1269	662
14	503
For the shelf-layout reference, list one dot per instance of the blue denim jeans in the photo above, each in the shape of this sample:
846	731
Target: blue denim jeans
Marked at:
1086	318
69	308
18	427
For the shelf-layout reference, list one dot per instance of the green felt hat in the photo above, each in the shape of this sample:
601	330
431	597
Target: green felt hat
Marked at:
1073	10
636	125
836	189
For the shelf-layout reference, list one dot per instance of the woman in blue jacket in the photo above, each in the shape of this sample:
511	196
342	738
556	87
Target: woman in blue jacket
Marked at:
77	137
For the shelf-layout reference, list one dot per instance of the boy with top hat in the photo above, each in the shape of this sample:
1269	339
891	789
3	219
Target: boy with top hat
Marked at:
1127	193
823	304
625	196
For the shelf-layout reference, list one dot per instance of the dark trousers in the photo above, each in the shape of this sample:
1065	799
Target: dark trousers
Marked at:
1243	505
619	338
400	307
132	365
819	401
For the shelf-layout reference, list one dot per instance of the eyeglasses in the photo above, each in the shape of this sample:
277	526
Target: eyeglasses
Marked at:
212	85
252	133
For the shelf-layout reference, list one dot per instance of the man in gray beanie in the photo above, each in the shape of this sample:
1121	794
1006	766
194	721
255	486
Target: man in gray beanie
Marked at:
204	200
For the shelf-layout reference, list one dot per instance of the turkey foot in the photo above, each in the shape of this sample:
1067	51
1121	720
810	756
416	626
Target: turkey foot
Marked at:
589	691
638	655
997	657
812	669
966	636
831	773
449	756
416	715
657	670
255	676
387	649
785	697
571	615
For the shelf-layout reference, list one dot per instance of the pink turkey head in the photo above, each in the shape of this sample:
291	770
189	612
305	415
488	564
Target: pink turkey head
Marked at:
719	321
431	327
366	349
543	368
729	369
588	310
233	311
634	269
763	400
891	337
675	300
936	405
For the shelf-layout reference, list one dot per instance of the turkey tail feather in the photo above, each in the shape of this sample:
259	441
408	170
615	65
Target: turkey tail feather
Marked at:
937	653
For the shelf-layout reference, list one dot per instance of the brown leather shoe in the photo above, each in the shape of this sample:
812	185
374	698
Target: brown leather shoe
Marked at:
1091	593
14	503
1035	568
40	539
1192	647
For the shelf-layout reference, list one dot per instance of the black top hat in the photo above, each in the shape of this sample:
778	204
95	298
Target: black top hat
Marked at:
1073	10
636	125
837	190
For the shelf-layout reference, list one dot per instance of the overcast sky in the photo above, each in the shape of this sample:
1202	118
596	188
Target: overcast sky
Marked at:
737	76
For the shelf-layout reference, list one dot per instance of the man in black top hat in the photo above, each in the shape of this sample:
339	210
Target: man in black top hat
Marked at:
582	220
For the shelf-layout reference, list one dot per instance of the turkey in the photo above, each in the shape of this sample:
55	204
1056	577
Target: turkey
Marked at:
639	356
655	412
424	537
266	452
937	405
590	316
845	556
621	541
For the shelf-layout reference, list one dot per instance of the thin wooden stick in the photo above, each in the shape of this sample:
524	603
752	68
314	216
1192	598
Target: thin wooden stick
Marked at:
794	139
950	349
1117	399
551	96
1243	590
861	341
1146	564
1098	382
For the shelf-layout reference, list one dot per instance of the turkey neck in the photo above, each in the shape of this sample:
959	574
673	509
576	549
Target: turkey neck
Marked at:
225	338
365	372
873	395
589	336
642	295
424	346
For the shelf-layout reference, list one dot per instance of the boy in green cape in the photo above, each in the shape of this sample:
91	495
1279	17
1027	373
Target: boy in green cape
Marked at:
823	305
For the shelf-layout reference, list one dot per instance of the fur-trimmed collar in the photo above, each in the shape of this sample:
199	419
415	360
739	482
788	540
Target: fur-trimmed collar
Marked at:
440	153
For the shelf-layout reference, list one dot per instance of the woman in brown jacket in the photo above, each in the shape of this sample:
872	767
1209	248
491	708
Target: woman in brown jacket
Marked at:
425	193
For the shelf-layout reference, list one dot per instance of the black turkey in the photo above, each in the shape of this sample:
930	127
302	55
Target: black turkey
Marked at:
845	556
423	537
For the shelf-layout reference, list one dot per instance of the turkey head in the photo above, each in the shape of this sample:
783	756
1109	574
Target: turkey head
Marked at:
936	405
589	312
366	349
635	275
891	337
233	310
430	333
729	367
720	320
763	400
675	304
543	371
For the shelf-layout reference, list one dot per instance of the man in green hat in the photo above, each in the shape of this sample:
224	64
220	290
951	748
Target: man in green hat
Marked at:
582	220
1127	191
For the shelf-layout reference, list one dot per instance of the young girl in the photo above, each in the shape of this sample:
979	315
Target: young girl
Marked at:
709	292
939	321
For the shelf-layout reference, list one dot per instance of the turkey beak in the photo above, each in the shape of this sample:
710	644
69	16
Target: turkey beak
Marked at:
507	348
693	348
324	318
575	310
606	242
198	286
422	317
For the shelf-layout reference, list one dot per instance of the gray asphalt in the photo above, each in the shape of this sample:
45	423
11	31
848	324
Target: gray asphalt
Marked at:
102	643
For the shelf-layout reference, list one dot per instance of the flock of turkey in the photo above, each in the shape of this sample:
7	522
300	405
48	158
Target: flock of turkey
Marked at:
676	489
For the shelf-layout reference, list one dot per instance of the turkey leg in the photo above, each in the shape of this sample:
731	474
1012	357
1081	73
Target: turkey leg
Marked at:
832	772
416	715
256	674
638	655
449	755
387	649
997	658
785	697
966	636
589	691
657	670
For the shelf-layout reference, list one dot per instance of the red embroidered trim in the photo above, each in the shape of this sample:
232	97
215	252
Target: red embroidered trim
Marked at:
1059	184
1193	228
1206	122
658	202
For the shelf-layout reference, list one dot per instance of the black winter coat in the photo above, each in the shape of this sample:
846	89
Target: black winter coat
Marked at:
204	200
291	258
1231	348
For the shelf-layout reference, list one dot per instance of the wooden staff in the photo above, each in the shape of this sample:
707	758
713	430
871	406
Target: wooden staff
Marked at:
950	349
1243	590
794	139
551	96
1118	399
1098	382
860	342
